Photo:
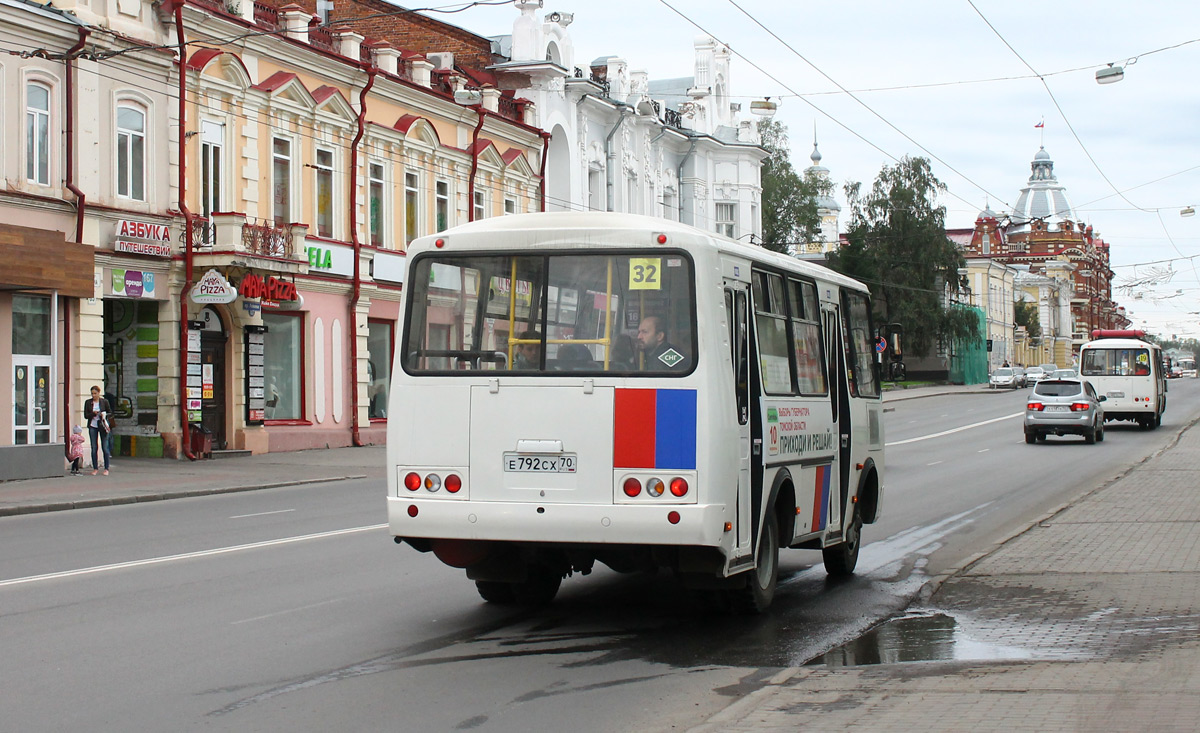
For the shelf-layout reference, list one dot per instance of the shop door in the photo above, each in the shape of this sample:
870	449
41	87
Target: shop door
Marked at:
31	399
212	373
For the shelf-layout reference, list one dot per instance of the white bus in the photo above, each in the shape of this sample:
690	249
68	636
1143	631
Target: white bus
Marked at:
580	387
1128	370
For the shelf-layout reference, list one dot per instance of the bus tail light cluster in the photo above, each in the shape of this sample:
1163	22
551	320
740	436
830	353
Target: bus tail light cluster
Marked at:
433	482
655	487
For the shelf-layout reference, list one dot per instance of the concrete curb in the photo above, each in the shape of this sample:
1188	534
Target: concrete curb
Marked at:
160	496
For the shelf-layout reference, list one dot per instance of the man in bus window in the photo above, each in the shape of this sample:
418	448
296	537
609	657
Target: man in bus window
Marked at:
528	356
657	352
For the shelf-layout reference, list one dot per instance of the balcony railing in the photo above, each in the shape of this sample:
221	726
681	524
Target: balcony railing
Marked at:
266	15
266	239
204	234
320	37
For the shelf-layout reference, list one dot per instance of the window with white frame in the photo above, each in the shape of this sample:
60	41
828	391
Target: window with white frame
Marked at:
480	206
37	133
281	180
131	152
441	205
726	219
212	139
375	203
324	168
411	211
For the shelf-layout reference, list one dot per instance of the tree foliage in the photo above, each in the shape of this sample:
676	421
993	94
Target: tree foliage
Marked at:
789	199
897	245
1026	314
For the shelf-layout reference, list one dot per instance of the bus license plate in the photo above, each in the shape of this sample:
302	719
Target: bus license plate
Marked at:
540	463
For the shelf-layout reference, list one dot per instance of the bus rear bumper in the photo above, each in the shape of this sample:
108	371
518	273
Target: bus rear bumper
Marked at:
697	524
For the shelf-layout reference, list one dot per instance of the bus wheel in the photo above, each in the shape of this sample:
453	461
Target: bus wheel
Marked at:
538	589
756	597
841	558
495	592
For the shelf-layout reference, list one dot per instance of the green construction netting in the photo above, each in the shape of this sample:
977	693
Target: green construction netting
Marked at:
968	358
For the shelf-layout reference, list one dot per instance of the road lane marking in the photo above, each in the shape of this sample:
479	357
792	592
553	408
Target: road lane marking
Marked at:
285	611
263	514
955	430
934	463
187	556
983	450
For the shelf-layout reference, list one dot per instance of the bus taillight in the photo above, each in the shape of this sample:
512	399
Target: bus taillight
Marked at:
632	487
412	481
453	483
673	517
679	486
433	482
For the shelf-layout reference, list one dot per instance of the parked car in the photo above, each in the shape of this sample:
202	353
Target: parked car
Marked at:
1049	368
1033	374
1002	378
1064	407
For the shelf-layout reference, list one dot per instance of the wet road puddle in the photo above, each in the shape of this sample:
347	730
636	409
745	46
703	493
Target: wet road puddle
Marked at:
917	637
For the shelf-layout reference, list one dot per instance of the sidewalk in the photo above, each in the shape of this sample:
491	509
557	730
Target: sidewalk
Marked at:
1093	614
151	479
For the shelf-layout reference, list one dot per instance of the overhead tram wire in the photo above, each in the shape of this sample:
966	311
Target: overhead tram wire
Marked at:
864	105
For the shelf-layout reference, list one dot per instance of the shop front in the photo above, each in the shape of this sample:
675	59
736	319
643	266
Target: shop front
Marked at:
42	278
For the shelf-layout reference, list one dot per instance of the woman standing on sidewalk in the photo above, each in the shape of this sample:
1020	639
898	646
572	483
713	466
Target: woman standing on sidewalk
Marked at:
95	414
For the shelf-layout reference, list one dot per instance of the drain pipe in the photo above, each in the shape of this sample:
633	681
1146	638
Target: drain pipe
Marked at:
187	233
80	204
610	157
542	170
80	198
679	175
474	162
355	436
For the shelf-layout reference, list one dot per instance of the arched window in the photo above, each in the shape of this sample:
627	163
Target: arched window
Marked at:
37	133
131	152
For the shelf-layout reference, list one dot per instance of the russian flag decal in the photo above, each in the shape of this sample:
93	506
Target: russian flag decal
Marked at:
821	498
655	428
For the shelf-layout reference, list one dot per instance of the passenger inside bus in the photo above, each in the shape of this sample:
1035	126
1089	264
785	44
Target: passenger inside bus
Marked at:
528	356
621	358
657	352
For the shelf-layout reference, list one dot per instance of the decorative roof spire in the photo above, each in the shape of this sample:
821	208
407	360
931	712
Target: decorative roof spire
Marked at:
816	154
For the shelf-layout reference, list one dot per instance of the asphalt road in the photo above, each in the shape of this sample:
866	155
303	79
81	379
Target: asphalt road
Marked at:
291	609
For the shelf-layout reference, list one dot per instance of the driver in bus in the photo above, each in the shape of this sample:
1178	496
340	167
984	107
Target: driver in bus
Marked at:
657	352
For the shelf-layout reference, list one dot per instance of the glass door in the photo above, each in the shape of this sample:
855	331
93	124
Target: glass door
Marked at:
31	400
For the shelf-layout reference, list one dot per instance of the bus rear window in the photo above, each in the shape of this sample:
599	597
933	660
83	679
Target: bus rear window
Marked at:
550	313
1115	362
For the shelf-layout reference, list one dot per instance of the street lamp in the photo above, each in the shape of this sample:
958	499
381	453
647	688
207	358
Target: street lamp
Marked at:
1187	211
764	107
1110	75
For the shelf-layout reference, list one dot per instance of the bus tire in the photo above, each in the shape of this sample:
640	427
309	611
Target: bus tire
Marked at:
759	591
495	592
841	558
538	589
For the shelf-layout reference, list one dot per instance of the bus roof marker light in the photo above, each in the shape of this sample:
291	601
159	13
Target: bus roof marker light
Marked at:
661	239
439	243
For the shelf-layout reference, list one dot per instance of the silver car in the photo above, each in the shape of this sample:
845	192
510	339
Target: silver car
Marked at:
1003	378
1064	407
1033	374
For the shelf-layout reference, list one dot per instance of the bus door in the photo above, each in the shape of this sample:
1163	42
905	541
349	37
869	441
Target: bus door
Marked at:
839	398
737	310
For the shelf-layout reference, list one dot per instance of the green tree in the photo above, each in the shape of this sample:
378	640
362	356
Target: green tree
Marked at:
897	245
1026	314
789	199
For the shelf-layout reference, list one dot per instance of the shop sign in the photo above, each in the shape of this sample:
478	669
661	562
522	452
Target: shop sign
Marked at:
133	283
212	288
389	267
333	259
142	230
206	381
271	291
252	307
256	404
144	248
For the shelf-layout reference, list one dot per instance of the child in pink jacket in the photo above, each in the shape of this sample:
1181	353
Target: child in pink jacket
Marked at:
75	449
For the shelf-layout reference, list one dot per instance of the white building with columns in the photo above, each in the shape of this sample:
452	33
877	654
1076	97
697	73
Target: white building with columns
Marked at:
673	148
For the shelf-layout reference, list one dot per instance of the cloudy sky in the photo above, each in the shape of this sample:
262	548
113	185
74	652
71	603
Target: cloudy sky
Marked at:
956	81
